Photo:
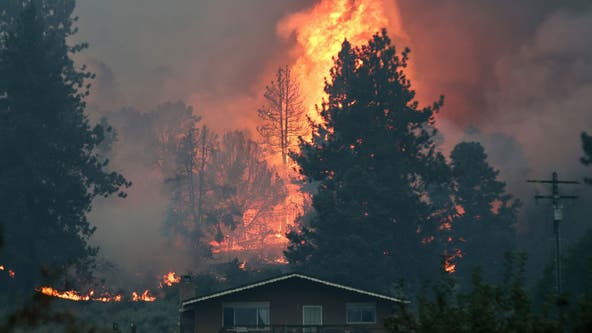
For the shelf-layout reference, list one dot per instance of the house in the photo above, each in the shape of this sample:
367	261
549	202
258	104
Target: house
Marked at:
289	303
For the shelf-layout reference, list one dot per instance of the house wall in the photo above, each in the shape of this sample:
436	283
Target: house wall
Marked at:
286	300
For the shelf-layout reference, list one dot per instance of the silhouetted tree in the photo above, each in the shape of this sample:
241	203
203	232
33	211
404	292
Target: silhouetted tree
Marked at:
587	158
285	120
49	170
374	159
223	190
283	114
484	227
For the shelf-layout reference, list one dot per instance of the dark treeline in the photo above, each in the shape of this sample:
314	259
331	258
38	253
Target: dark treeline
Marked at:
387	199
389	210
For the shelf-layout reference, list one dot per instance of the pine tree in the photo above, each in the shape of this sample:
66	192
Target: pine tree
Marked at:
374	159
283	114
49	171
484	229
284	121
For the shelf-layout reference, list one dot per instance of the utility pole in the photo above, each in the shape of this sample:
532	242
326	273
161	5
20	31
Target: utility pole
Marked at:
556	198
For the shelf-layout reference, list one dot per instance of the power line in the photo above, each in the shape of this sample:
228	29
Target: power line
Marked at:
556	199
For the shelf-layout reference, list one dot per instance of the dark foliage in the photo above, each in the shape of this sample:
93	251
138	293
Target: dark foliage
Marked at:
485	308
587	158
374	159
49	171
484	228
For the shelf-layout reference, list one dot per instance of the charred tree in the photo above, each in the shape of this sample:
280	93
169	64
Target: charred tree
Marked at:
283	114
284	118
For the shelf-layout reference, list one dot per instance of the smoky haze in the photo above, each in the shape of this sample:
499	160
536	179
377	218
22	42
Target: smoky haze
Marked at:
516	76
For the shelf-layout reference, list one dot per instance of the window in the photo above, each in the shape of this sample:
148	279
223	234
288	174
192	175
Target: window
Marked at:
245	314
312	315
361	313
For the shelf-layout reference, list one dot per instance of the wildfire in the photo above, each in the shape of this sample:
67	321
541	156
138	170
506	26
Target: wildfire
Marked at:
73	295
169	279
144	297
321	30
449	263
281	260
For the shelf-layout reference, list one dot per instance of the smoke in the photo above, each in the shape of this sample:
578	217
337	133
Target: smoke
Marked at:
545	92
517	77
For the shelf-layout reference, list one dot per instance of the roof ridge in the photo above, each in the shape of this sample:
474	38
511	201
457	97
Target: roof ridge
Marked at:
285	277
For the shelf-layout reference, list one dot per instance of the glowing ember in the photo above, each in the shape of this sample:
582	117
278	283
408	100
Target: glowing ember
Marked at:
449	263
281	260
449	267
460	210
144	297
11	273
169	279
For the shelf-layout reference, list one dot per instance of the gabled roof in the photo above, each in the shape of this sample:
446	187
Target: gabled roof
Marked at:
286	277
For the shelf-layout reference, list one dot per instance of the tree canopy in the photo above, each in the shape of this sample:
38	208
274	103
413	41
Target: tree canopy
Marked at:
50	171
374	159
484	228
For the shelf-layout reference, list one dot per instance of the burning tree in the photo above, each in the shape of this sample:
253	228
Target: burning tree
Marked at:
374	158
284	118
223	191
283	114
248	190
49	171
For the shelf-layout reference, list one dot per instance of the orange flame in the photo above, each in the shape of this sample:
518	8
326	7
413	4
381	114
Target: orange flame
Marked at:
449	263
73	295
169	279
144	297
70	294
319	33
321	30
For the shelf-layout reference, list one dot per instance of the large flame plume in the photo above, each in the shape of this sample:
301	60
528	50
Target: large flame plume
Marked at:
321	30
319	33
